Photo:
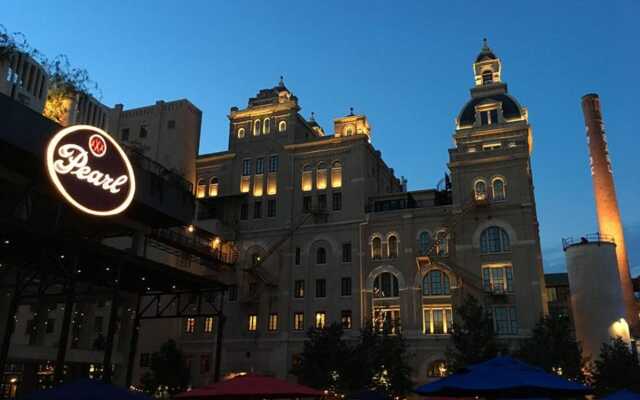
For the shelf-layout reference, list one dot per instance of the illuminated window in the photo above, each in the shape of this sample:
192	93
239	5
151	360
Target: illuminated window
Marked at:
345	319
552	294
437	369
376	248
321	288
499	193
386	319
258	185
272	183
438	320
190	325
282	126
273	322
435	283
392	244
348	130
256	127
208	325
298	321
213	187
386	285
200	189
442	244
491	146
505	320
336	174
307	178
424	243
494	240
321	176
480	190
240	133
252	322
298	289
487	77
497	278
321	319
266	125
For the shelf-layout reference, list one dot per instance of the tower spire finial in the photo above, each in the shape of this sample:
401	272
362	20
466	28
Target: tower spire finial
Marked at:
281	83
485	45
350	110
313	116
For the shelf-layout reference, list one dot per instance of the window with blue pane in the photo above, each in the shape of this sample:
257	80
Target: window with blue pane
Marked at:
494	240
505	320
435	283
497	278
424	243
386	285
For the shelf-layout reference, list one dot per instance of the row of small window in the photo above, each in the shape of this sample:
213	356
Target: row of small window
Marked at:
336	202
208	324
247	164
389	248
321	254
322	176
320	321
257	209
496	278
321	288
262	127
143	131
498	189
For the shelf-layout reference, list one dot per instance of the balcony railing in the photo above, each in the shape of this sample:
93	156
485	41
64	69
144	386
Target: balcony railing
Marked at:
596	237
199	246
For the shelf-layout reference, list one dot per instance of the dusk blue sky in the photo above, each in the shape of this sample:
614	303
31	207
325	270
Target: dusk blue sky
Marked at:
406	65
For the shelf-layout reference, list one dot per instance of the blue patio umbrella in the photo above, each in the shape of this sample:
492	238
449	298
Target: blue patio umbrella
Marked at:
502	377
86	389
623	395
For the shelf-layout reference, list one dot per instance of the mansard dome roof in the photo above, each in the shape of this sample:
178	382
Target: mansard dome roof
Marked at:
510	108
486	55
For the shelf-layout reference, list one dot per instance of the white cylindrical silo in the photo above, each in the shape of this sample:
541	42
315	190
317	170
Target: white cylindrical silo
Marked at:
596	293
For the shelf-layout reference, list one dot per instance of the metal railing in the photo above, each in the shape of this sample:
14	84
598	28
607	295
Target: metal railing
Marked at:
596	237
225	252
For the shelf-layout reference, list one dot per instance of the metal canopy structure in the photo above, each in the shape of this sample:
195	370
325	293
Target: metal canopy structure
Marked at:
53	253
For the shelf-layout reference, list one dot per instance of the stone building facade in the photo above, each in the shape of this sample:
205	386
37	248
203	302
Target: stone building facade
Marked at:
329	234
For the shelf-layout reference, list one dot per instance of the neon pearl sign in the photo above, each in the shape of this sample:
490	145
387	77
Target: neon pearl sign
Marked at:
90	170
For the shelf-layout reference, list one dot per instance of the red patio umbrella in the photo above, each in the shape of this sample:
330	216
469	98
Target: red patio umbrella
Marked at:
251	386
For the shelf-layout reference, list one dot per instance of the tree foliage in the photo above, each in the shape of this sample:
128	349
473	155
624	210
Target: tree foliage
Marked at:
617	368
554	348
472	338
168	368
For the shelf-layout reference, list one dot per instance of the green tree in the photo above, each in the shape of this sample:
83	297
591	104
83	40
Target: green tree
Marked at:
617	368
553	347
472	339
168	368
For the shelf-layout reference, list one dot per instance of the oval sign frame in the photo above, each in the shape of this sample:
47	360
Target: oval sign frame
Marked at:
51	148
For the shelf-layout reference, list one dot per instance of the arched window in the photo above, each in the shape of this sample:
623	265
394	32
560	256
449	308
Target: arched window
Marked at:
201	189
442	243
348	130
256	127
240	133
307	178
499	192
321	176
282	126
336	174
321	255
386	285
266	125
424	243
213	187
437	369
494	240
435	283
392	243
480	190
487	77
376	248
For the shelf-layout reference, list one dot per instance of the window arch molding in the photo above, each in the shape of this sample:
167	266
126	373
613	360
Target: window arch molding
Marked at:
214	186
375	246
497	196
402	284
256	127
310	248
240	133
437	276
480	189
282	126
266	126
513	238
392	240
451	274
442	245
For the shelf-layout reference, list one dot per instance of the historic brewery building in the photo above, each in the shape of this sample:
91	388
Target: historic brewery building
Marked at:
328	234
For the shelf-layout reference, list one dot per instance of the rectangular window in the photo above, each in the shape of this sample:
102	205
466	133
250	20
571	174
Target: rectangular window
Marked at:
125	134
491	146
190	325
257	209
298	321
346	252
307	178
244	211
345	318
497	278
493	116
259	166
208	325
273	322
386	319
337	201
258	185
322	202
306	204
438	320
321	178
145	359
298	256
273	164
321	319
205	363
484	118
98	323
246	167
271	208
298	289
272	183
252	322
171	124
143	131
321	288
505	321
345	287
552	294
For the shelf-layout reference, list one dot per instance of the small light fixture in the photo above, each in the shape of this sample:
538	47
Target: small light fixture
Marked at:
190	228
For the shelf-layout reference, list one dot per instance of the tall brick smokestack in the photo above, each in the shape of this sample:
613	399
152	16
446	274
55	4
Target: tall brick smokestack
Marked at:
609	222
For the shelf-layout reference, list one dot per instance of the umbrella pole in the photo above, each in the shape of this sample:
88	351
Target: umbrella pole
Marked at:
113	316
133	345
221	321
